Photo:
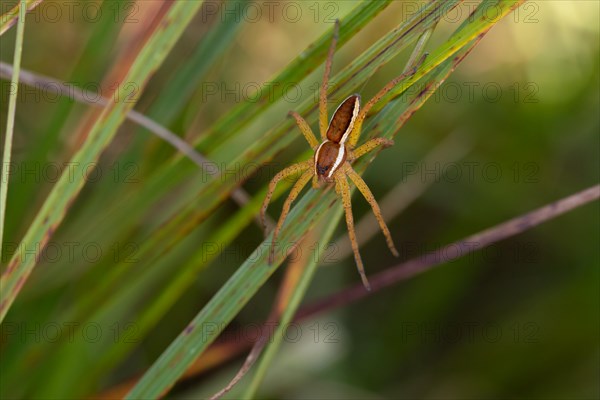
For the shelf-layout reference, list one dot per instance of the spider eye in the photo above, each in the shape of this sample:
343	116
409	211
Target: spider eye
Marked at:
322	169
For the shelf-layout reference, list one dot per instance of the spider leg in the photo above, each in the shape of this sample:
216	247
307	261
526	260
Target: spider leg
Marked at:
371	145
323	123
341	185
296	189
378	96
284	173
305	129
366	192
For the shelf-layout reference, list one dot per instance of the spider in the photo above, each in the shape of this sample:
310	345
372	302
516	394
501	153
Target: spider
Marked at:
333	157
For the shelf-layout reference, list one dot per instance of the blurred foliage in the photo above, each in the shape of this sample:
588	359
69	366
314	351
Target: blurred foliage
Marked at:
517	320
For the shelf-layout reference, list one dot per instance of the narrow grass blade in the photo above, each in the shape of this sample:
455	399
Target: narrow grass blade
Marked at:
10	120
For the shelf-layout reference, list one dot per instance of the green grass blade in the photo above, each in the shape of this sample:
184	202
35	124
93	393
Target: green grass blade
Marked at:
66	189
10	121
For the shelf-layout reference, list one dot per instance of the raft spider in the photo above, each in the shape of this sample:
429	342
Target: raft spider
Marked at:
332	160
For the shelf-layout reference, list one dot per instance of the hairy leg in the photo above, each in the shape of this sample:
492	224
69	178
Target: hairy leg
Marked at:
284	173
366	192
323	119
370	146
342	188
315	182
296	189
305	129
378	96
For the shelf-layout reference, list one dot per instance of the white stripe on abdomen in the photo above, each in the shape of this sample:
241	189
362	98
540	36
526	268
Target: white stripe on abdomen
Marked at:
338	160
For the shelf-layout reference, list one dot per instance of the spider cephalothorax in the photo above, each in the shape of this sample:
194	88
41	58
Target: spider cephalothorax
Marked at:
333	157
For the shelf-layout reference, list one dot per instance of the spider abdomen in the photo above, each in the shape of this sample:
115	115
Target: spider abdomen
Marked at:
328	158
342	120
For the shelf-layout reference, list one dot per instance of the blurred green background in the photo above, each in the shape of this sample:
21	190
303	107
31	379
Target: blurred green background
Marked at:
519	319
